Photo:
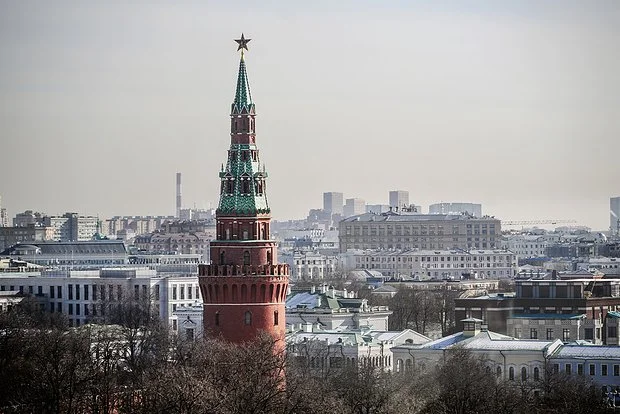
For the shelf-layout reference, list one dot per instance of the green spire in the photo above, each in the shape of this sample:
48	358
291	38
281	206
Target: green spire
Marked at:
243	97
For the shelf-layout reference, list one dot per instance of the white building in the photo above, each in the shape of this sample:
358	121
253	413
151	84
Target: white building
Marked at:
334	312
187	322
77	293
313	265
328	350
516	360
452	264
525	245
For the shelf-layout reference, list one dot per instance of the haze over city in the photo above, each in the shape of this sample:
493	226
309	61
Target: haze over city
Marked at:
512	106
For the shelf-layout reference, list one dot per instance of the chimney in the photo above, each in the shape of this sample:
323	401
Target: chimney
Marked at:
178	195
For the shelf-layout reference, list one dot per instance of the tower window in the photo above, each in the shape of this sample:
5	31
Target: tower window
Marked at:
217	319
248	318
222	254
275	318
246	258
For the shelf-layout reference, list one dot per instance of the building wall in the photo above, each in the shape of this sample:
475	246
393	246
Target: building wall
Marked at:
425	232
76	294
439	264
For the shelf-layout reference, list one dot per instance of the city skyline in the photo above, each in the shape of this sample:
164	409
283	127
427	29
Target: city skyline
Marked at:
508	106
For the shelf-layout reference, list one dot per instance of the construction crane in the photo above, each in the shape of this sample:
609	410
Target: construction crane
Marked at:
531	222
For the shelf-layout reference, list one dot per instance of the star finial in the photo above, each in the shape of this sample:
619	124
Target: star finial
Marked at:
243	43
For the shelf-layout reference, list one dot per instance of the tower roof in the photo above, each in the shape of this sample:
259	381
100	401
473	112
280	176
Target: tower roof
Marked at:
243	98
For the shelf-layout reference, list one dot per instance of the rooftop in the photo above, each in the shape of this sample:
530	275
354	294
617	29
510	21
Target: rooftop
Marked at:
548	316
588	352
398	217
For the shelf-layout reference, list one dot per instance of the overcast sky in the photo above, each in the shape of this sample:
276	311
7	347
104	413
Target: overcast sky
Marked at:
513	106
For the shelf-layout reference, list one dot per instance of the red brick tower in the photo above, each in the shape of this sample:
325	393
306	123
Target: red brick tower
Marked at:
244	287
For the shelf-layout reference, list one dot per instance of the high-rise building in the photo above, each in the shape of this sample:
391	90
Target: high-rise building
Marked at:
354	206
244	287
178	199
72	227
4	219
614	215
399	199
333	203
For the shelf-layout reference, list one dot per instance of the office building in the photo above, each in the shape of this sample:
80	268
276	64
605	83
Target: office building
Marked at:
418	231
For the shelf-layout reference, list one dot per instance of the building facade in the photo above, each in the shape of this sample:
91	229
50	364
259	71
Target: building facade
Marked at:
453	264
244	287
418	231
80	294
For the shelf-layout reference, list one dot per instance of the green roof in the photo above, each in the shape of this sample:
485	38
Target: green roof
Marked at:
243	98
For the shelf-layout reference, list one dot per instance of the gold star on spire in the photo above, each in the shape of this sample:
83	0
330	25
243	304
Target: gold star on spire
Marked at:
243	43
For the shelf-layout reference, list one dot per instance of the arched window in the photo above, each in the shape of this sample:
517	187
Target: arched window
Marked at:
275	318
498	372
536	374
399	365
222	256
269	257
523	374
409	365
246	258
217	319
511	373
248	318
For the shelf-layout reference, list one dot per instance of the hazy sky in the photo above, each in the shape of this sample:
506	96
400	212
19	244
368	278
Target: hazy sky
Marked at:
513	106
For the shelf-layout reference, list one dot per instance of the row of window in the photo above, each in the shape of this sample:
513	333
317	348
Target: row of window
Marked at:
182	290
88	292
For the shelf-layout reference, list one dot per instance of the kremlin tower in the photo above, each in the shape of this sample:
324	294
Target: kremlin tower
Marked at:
244	287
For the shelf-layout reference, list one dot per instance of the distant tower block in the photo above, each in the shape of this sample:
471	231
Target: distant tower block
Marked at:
399	199
178	195
244	287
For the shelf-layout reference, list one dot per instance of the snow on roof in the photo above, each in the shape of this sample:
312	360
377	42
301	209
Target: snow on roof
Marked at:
588	352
